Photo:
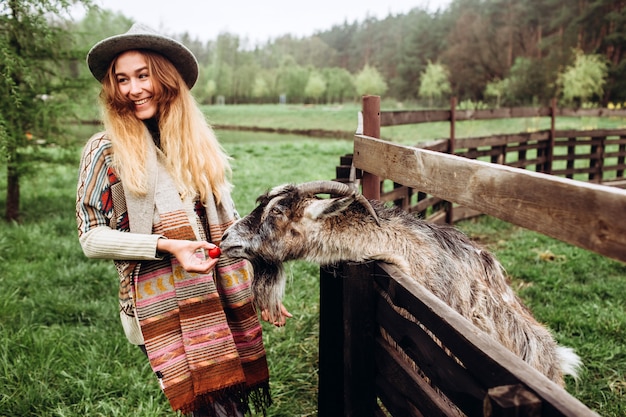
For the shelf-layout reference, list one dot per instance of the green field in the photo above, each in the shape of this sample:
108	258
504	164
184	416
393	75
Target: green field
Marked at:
62	350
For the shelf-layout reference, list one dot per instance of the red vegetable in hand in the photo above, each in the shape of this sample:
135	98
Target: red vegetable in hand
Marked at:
215	252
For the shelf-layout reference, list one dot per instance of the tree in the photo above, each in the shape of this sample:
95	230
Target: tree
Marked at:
260	90
525	83
434	82
339	84
497	89
315	86
370	82
33	44
292	79
583	79
423	41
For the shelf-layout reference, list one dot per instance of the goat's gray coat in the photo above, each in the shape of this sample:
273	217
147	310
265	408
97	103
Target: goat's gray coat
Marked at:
290	224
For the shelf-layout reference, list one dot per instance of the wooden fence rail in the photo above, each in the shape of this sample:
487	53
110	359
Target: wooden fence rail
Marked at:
587	215
597	156
400	117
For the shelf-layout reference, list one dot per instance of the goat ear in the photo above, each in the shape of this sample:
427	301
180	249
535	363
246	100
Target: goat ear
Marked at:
321	209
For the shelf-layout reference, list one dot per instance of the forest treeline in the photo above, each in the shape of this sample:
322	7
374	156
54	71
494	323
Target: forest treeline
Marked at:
484	52
522	46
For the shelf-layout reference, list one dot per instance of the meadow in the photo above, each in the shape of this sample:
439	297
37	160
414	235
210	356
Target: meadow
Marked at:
62	350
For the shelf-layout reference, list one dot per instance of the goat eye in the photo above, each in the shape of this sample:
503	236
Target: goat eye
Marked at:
276	211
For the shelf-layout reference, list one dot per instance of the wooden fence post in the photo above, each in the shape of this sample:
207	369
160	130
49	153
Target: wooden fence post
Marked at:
451	146
346	347
451	143
550	154
371	127
331	345
346	366
358	351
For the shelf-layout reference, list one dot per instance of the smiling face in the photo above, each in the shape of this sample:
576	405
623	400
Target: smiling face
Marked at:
135	83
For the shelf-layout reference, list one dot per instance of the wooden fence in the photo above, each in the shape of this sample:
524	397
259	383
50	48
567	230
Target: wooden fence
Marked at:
377	357
596	156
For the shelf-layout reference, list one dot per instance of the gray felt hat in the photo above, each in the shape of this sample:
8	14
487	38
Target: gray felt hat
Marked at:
141	37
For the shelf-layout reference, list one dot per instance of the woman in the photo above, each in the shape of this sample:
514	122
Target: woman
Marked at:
153	191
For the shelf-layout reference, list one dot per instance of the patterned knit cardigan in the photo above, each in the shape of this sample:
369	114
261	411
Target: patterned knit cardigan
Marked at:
218	353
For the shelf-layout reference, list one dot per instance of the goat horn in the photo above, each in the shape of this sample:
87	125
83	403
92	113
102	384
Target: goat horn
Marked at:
337	188
326	187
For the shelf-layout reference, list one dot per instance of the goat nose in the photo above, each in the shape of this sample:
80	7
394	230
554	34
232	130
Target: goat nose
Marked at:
225	235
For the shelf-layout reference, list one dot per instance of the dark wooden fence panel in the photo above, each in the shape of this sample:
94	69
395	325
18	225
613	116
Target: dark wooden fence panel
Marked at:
407	350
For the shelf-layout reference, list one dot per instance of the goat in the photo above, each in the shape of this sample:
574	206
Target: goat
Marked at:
291	222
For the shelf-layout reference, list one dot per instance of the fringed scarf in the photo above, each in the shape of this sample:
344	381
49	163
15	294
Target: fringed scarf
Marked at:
201	332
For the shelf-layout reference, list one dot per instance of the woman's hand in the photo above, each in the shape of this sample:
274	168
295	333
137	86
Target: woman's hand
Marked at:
281	321
186	252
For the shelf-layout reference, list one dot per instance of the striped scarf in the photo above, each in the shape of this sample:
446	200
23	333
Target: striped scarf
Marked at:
201	332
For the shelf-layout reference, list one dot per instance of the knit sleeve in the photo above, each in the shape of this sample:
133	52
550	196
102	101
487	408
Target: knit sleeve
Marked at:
94	205
106	243
99	235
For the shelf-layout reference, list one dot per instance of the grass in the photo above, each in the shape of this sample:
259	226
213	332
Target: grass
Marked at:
63	352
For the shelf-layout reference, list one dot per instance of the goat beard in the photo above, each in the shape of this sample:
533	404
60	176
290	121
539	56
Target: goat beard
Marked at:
268	287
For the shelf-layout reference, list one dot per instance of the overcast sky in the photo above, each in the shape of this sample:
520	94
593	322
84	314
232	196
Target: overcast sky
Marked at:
258	20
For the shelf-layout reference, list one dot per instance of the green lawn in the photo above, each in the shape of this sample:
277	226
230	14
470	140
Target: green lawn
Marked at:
63	353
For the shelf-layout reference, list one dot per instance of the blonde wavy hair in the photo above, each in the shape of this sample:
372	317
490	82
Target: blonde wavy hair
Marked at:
194	157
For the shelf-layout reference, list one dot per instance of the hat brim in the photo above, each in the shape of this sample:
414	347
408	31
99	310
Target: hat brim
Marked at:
104	52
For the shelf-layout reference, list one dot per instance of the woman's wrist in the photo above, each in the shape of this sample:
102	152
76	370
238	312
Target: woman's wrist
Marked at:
162	247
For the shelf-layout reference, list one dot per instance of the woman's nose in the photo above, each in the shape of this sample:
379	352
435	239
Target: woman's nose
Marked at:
135	86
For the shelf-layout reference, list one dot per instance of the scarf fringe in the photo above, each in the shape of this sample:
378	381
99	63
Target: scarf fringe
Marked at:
233	399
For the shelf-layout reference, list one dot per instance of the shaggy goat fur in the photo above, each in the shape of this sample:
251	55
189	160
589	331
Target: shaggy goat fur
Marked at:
289	224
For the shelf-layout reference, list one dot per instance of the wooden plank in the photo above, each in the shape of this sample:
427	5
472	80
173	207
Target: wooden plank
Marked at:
445	373
395	194
425	204
616	183
395	373
346	159
438	145
330	386
573	157
403	117
573	141
343	171
616	154
586	215
526	162
615	167
454	331
463	213
502	113
589	133
395	403
590	112
400	117
359	342
371	126
466	341
499	140
512	401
